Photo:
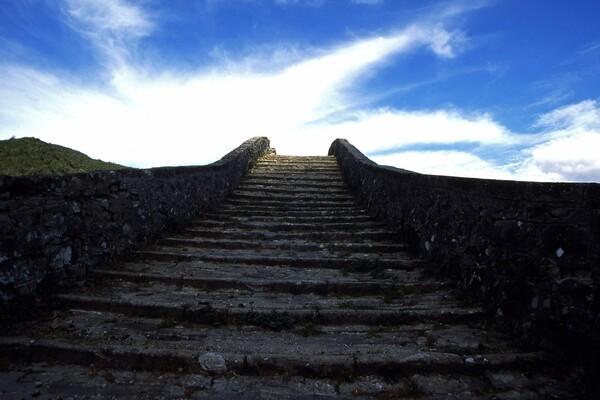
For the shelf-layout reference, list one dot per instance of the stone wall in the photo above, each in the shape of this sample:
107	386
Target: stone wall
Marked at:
52	228
530	251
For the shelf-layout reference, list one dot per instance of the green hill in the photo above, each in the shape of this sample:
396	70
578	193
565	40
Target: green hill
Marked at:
31	156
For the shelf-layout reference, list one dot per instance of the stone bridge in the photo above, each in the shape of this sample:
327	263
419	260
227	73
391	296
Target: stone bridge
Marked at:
264	276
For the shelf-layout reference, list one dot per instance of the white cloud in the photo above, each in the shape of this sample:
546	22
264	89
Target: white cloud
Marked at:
151	118
570	149
449	163
584	115
112	25
311	3
384	130
110	16
147	117
566	148
445	43
367	2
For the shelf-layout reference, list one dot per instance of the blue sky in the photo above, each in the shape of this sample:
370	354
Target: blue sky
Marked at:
503	89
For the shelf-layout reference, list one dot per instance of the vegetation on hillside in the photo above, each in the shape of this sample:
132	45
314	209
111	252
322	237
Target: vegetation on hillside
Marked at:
31	156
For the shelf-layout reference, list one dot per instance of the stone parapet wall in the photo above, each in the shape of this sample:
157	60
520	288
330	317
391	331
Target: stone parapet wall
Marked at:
53	228
530	251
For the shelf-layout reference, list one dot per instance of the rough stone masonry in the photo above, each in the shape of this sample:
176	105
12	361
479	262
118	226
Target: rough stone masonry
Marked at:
287	290
530	251
53	228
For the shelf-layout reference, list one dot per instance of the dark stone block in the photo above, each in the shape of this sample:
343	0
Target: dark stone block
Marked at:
55	227
530	251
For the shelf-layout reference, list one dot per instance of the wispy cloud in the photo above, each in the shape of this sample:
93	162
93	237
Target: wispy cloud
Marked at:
311	3
449	163
386	130
174	116
114	17
570	149
112	25
367	2
302	99
564	149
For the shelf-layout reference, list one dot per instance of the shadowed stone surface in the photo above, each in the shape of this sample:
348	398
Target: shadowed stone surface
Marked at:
52	228
529	251
288	290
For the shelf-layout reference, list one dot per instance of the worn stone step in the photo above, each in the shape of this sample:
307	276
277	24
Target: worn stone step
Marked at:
308	168
301	181
397	301
287	290
308	163
257	212
361	250
278	226
271	189
302	285
265	164
273	311
290	205
304	171
89	327
256	277
327	160
296	166
286	245
393	363
304	182
246	207
356	236
364	262
286	218
93	326
272	196
74	381
283	176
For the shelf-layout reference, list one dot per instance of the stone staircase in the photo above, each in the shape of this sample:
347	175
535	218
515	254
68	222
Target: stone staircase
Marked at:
288	291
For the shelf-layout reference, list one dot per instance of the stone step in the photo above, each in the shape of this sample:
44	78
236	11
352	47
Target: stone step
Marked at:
363	262
172	294
98	326
256	278
304	166
317	163
393	363
356	236
285	245
322	190
251	183
305	182
280	173
290	205
280	225
287	290
312	339
286	218
270	285
298	159
294	198
211	310
284	176
224	211
260	209
78	381
298	167
472	345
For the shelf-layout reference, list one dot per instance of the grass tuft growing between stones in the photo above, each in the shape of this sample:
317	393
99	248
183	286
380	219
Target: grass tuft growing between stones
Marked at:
274	320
